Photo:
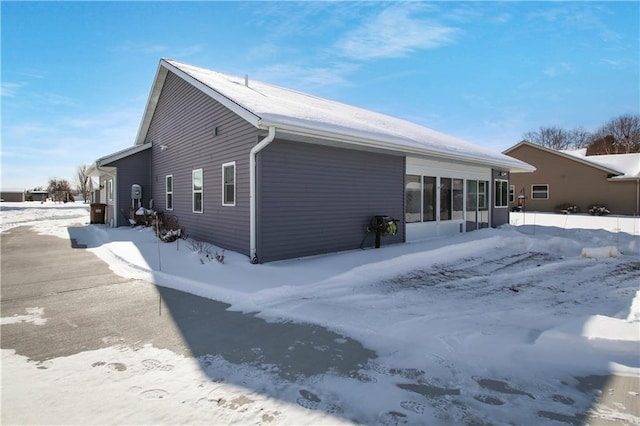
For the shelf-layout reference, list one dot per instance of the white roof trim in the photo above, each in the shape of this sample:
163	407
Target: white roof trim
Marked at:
564	155
396	148
158	84
100	162
393	140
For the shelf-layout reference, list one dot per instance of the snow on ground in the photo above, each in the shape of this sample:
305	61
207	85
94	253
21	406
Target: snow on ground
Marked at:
493	326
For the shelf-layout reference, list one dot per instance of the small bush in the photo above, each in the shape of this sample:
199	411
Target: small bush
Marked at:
598	210
567	208
168	229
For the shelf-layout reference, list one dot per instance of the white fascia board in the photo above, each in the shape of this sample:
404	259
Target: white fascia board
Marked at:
395	148
122	154
624	179
252	118
152	103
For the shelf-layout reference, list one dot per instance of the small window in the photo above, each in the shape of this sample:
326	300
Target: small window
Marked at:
229	184
169	191
512	191
540	192
110	190
196	178
501	194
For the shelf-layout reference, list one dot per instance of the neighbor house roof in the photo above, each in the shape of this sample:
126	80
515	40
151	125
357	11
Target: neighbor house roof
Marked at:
620	166
308	116
626	165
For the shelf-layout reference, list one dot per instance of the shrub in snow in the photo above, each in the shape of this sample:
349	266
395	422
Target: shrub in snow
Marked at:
600	252
567	208
204	250
168	229
598	210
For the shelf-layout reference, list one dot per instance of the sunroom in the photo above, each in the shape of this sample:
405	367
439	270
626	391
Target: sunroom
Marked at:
446	198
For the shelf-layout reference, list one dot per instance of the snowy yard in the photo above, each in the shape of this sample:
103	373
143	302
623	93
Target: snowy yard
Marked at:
518	325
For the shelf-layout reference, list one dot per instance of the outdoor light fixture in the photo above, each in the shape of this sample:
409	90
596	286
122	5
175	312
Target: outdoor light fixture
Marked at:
163	147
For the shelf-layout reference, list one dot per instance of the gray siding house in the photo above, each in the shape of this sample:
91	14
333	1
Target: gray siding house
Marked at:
274	173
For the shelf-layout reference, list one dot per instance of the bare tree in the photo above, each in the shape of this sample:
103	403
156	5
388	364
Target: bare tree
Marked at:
620	135
580	137
60	190
82	178
550	137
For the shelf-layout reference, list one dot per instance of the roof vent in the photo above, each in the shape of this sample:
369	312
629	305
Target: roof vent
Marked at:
246	80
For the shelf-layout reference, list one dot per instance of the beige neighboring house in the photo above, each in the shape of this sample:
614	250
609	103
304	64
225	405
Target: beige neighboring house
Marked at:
571	177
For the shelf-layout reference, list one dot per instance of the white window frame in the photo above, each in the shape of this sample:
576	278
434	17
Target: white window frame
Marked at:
167	192
546	193
498	195
224	192
195	191
512	193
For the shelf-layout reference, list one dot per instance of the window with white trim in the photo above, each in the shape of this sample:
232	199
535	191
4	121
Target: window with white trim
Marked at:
169	191
196	179
229	184
512	192
110	190
540	192
501	194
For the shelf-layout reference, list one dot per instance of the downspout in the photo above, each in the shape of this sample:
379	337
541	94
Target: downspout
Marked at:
252	191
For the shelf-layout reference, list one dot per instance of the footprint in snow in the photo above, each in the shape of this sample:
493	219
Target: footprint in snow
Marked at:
154	364
392	418
153	394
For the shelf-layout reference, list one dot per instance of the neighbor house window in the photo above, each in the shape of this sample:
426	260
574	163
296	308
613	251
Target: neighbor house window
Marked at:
540	192
512	191
169	191
229	184
196	178
501	194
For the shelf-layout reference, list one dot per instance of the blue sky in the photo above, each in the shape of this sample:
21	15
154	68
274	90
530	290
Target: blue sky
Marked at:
76	75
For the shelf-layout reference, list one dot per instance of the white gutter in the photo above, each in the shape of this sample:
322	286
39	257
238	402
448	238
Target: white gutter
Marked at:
252	191
512	166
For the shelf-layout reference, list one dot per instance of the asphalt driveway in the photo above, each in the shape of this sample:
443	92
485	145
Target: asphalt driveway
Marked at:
88	307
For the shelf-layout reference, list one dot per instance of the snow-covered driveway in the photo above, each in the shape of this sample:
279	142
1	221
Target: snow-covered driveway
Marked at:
517	325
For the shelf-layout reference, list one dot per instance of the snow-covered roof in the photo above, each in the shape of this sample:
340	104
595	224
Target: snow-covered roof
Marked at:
108	159
94	169
627	165
296	113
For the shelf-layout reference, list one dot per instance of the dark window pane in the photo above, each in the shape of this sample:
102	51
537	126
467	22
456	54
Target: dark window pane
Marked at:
445	198
458	199
429	199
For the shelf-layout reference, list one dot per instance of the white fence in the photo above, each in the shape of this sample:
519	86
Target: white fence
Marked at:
611	223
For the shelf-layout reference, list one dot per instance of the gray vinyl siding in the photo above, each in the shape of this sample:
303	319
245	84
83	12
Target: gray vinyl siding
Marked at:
132	169
183	125
315	199
499	216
